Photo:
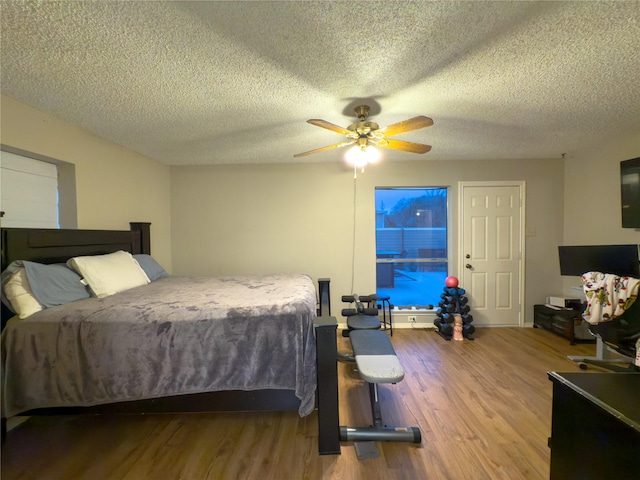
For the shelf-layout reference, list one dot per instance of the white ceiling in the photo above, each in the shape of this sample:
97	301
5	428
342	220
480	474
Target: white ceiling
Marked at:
194	83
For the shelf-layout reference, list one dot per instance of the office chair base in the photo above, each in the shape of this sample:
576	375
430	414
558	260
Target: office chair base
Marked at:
613	365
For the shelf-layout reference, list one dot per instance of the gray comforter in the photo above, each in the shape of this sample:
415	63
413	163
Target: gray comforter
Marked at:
177	335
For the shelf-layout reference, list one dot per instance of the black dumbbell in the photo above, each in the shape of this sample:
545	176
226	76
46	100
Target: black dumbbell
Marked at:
446	329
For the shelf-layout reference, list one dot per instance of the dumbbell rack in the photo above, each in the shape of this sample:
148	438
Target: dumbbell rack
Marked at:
454	302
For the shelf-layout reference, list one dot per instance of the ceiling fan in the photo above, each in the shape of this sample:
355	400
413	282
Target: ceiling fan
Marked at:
364	133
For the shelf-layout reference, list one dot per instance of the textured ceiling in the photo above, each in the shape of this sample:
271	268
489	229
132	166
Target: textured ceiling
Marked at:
193	83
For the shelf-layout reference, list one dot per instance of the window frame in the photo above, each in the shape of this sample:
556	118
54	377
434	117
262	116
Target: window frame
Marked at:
414	263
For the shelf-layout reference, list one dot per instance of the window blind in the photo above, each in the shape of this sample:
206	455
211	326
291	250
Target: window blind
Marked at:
29	192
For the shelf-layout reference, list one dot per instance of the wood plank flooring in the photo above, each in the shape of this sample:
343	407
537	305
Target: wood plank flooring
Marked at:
483	406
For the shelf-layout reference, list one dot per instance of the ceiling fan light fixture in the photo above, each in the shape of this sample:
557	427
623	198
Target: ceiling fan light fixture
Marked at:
365	132
362	155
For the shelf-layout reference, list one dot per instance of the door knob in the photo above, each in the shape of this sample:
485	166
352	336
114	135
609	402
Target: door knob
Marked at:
468	265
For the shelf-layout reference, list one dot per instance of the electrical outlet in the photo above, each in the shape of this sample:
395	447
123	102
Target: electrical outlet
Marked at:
412	318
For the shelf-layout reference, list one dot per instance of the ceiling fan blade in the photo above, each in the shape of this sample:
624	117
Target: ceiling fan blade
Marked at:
404	146
406	126
329	126
324	149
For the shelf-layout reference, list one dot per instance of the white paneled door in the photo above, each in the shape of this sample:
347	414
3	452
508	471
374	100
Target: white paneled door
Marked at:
491	251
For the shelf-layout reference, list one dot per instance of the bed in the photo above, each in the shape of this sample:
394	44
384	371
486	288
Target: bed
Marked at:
194	344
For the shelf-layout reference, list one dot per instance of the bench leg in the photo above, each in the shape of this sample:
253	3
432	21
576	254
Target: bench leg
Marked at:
378	432
376	413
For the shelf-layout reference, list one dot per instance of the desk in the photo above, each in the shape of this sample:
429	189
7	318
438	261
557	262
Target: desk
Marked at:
595	426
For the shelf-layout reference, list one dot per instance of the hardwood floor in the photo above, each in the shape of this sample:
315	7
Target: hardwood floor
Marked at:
484	409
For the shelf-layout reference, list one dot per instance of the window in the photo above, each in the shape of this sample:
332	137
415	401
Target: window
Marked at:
411	244
29	192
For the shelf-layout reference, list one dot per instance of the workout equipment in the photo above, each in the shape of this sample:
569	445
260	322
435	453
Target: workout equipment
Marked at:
377	363
454	308
370	305
451	281
359	318
362	317
360	309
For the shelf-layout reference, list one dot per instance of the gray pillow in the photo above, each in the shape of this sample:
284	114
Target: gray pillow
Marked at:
55	284
152	268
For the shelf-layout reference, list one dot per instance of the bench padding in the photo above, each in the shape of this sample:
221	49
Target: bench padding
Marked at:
375	357
363	322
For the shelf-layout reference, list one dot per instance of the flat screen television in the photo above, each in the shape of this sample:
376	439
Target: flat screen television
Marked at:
622	260
630	192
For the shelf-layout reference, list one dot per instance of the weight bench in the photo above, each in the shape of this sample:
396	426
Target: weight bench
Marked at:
377	363
361	317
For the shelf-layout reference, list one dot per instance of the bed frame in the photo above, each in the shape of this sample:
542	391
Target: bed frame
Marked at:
57	246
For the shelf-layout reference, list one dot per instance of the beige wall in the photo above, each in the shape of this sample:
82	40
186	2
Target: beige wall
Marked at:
290	218
114	185
592	213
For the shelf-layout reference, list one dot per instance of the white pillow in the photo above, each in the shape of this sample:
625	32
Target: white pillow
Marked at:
20	295
109	274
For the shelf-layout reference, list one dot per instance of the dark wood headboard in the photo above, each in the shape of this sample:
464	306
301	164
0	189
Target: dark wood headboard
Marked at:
59	245
45	245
